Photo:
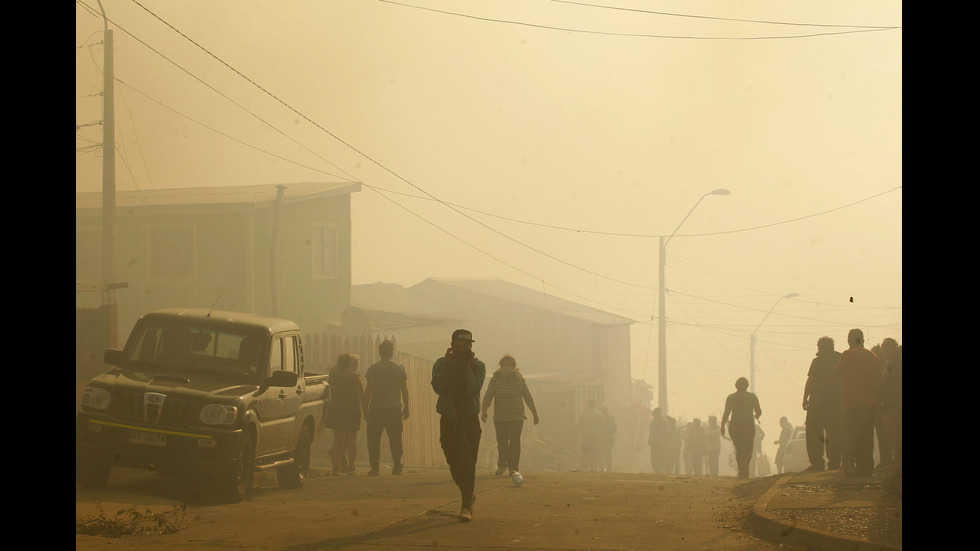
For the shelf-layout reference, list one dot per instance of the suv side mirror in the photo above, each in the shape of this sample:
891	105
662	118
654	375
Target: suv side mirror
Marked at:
283	378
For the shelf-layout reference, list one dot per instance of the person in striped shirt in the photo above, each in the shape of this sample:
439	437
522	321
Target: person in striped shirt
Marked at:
508	390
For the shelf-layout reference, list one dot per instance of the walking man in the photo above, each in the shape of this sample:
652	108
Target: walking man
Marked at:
458	379
387	398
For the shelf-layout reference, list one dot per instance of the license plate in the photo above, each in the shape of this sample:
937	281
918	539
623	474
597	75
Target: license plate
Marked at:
148	438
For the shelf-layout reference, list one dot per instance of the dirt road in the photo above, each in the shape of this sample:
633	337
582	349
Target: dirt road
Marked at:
551	510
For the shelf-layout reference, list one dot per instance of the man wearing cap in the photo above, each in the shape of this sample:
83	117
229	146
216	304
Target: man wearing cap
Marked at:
458	379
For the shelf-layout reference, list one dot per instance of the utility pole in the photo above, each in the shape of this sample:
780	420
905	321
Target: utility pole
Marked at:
662	334
109	192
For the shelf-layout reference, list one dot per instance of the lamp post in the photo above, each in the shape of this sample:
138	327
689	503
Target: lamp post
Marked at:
662	334
752	342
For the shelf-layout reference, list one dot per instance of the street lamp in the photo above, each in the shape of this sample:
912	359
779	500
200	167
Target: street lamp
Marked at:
662	335
752	342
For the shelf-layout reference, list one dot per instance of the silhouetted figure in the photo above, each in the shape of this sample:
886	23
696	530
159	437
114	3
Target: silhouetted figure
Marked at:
712	448
696	446
890	401
743	407
785	433
758	457
673	446
386	392
824	409
659	441
607	439
508	392
458	379
346	407
861	378
590	432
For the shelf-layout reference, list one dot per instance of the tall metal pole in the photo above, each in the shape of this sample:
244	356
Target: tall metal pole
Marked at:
662	333
753	339
109	189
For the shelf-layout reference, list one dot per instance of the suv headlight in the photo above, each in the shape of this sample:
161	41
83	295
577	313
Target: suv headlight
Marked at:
96	397
218	414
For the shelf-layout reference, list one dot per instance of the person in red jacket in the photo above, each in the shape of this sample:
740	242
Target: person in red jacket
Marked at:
860	379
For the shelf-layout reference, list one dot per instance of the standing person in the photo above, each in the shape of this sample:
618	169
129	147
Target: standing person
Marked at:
608	437
674	445
346	404
890	400
886	454
386	396
508	390
590	431
658	440
757	454
712	445
822	397
785	433
861	378
458	379
741	405
696	446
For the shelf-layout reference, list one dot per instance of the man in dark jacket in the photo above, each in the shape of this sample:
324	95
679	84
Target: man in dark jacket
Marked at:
458	379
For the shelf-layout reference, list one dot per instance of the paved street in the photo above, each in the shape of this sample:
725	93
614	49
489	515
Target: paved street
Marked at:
551	510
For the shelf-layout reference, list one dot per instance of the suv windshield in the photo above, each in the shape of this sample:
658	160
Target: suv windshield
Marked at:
207	349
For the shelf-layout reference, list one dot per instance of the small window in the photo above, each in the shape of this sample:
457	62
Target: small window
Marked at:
88	254
171	252
324	251
289	354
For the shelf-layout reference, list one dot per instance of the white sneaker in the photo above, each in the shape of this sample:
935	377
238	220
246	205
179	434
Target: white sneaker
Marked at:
465	514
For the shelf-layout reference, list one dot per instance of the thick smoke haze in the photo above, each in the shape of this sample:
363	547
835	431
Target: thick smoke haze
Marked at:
552	144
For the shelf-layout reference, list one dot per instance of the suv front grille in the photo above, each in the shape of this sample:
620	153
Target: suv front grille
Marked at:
132	405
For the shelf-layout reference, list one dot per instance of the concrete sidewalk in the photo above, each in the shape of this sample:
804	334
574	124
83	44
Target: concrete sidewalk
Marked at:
830	510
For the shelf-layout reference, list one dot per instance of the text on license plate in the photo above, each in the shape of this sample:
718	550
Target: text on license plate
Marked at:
148	438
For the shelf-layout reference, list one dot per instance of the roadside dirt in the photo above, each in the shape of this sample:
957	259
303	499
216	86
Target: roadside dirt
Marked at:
551	510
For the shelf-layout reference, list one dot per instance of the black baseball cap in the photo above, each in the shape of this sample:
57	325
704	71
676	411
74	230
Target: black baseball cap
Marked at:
463	335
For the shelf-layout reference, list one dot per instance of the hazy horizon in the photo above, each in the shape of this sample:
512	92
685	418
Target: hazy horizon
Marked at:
553	144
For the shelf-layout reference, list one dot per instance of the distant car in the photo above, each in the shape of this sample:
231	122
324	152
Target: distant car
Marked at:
795	458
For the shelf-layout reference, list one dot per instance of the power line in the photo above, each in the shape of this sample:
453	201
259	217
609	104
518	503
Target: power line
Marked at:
641	35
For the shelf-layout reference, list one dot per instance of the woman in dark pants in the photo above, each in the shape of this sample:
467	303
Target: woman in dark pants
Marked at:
741	405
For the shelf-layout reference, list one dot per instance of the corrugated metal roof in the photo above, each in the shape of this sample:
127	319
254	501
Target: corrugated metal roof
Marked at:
258	195
511	292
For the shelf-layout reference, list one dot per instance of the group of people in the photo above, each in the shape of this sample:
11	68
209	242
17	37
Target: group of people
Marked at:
849	398
597	431
694	448
384	404
457	379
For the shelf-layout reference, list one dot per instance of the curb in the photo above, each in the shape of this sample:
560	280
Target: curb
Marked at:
779	530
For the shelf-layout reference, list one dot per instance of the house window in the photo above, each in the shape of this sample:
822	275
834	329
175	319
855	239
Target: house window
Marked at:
88	255
324	251
171	252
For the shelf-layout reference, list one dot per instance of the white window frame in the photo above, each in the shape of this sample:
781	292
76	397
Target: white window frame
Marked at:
323	248
88	244
153	252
